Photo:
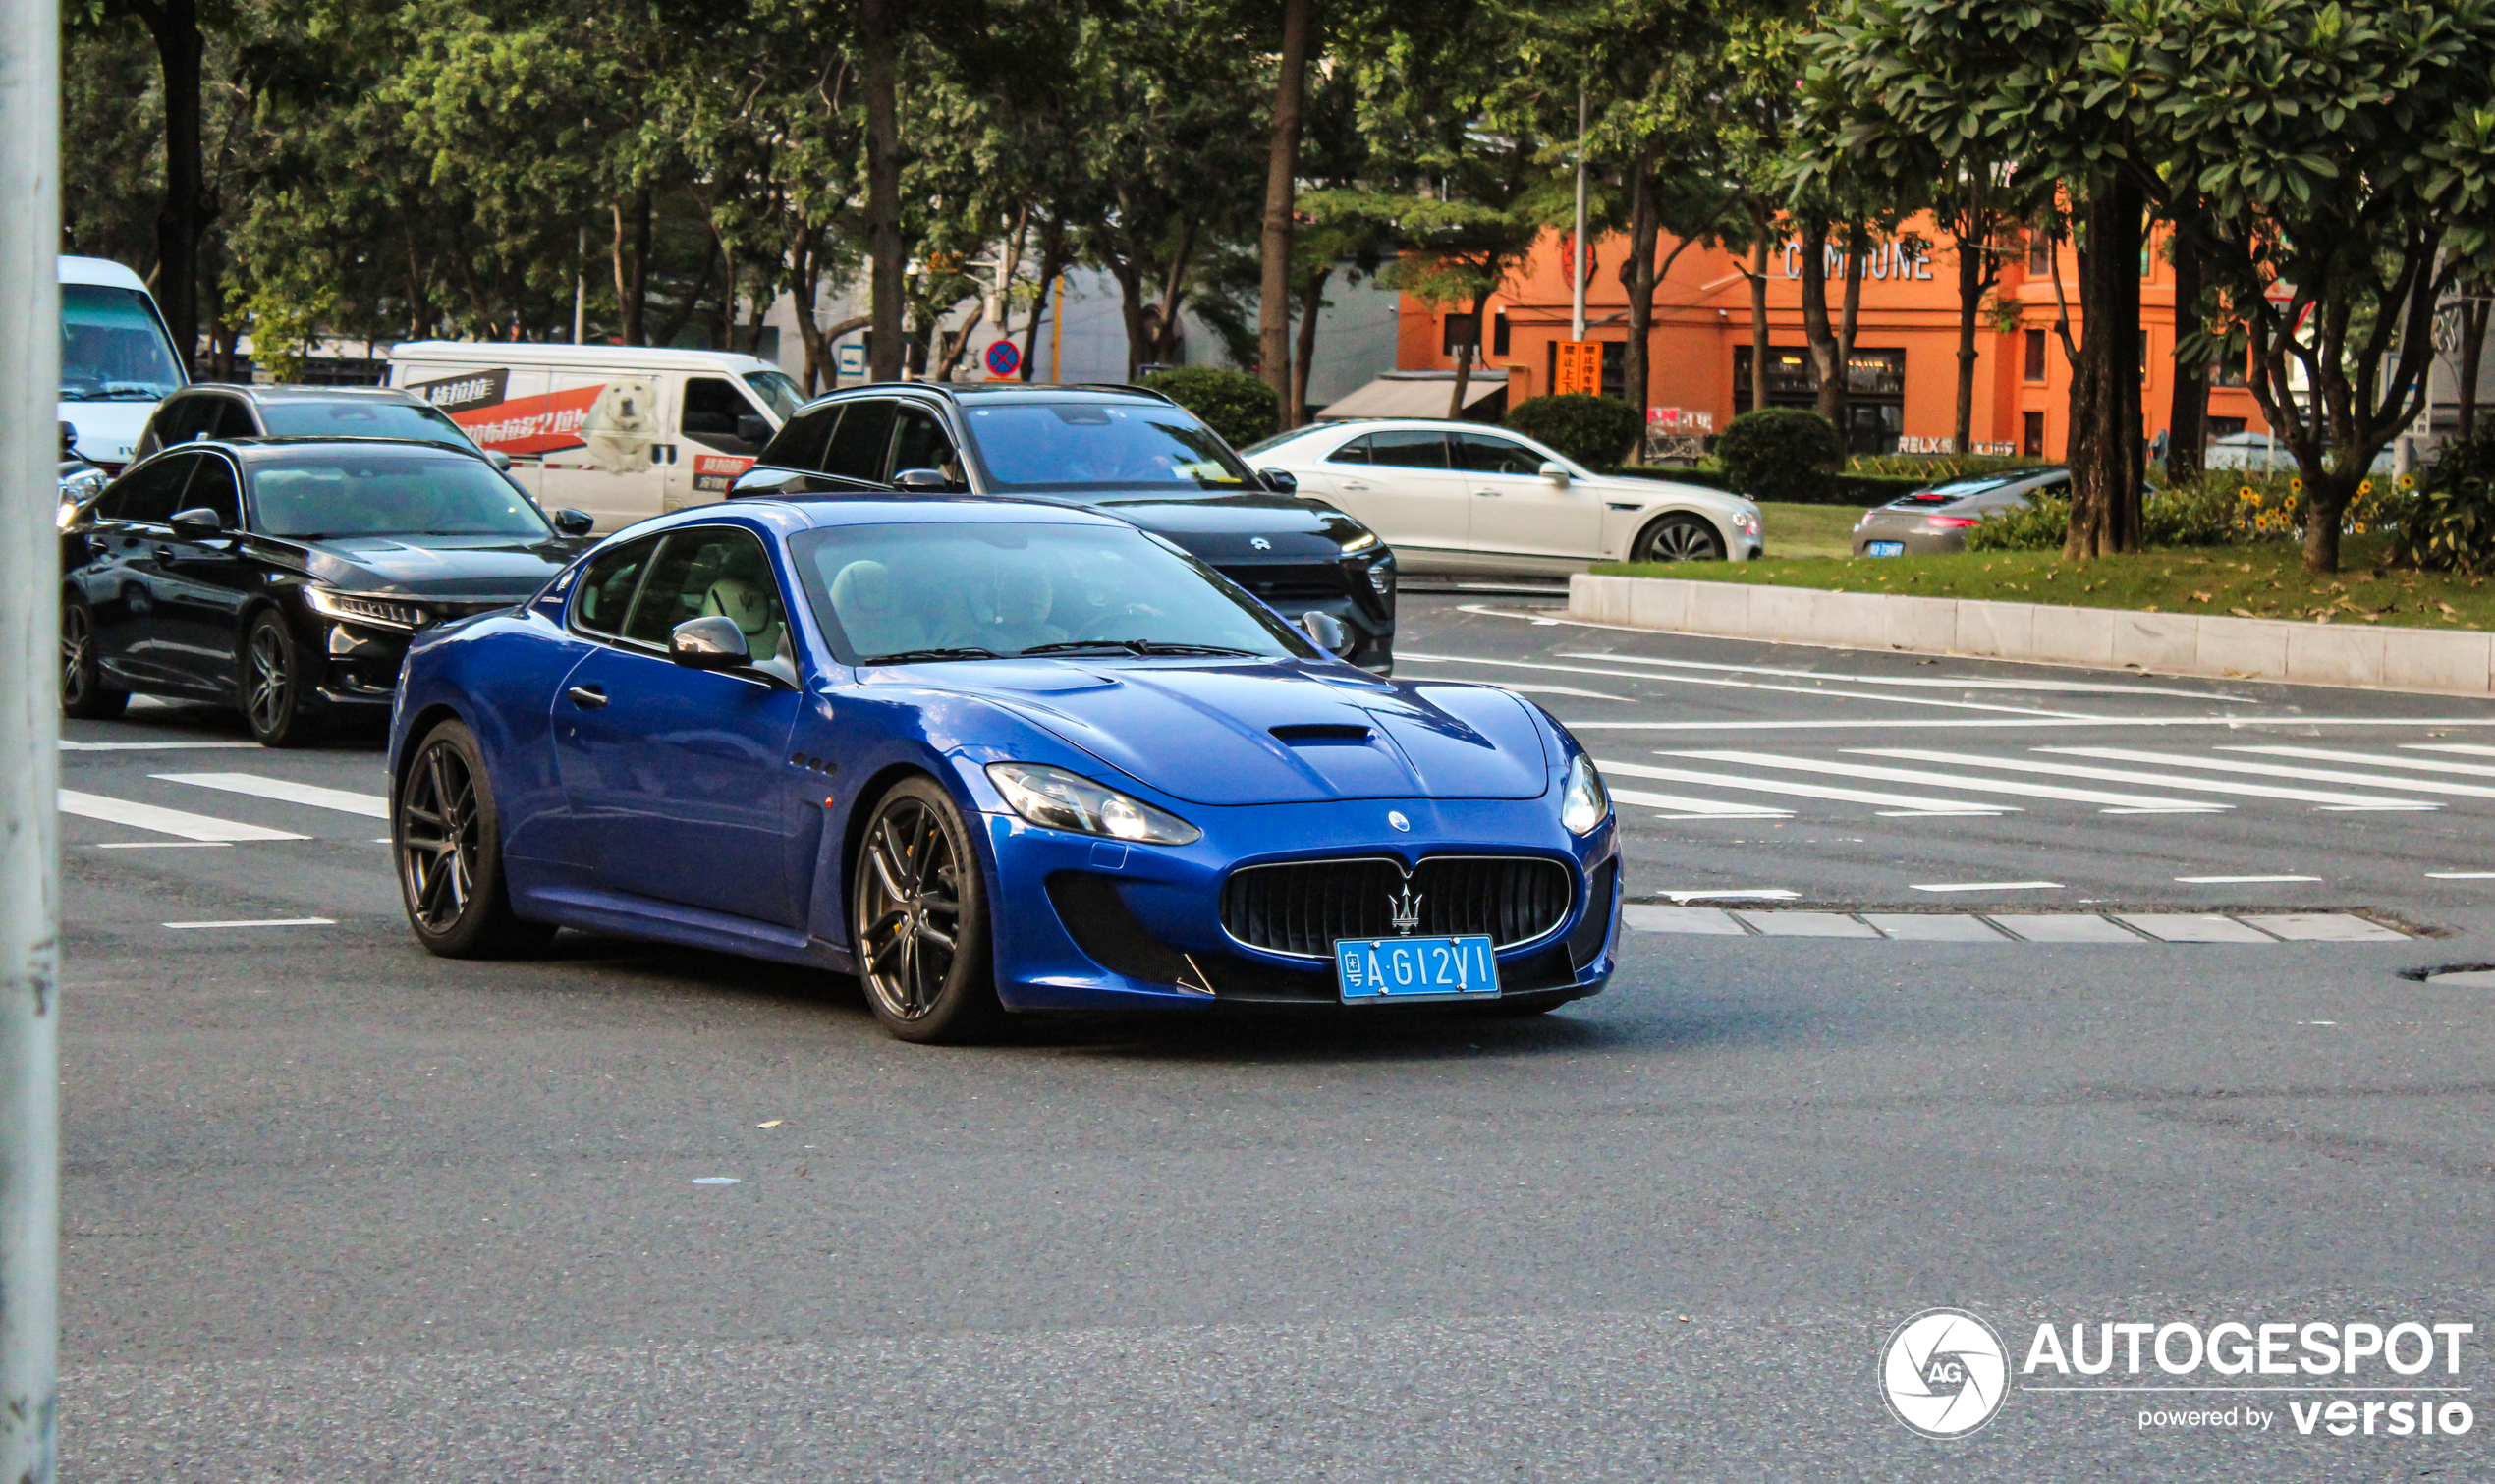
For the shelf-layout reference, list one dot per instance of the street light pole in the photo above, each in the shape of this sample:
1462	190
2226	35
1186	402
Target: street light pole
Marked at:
1576	249
29	738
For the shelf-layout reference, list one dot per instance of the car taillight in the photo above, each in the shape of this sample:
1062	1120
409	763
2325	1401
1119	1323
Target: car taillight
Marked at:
1951	522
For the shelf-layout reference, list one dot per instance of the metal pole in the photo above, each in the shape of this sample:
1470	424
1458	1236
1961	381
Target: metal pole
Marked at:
29	738
1577	253
580	284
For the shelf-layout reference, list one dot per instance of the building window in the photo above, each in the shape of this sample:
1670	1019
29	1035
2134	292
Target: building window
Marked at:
2224	427
1456	331
1499	343
2039	255
2035	356
2032	435
1875	392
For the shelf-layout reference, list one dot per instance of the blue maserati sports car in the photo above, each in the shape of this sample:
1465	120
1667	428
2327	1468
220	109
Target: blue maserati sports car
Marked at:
988	755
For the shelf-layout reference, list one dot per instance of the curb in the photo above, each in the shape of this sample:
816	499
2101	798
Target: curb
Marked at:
2436	661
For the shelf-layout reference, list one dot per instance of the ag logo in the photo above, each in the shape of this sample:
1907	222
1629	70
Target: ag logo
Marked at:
1944	1373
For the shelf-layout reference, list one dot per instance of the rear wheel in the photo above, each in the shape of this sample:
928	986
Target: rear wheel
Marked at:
84	694
919	910
272	684
1679	538
447	836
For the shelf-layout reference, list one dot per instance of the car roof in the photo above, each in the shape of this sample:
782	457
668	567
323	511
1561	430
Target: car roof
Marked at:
261	450
270	392
851	508
1004	392
101	271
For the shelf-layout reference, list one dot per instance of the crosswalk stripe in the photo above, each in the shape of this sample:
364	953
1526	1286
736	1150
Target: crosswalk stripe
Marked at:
164	821
1914	801
2466	749
2060	769
2372	760
370	805
1708	806
2282	770
1948	780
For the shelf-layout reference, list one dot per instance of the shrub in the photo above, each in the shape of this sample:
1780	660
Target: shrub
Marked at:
1781	453
1592	431
2446	522
1238	406
2043	524
2208	512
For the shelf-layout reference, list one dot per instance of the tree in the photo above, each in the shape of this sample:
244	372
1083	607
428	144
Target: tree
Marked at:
1281	173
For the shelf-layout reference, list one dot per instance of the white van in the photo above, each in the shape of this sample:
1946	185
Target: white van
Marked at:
117	360
623	432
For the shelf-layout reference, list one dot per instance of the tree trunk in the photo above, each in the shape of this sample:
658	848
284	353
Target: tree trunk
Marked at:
1974	275
1816	329
1282	170
683	315
958	341
1053	262
2474	316
883	188
1639	276
1858	258
1464	357
2188	418
1758	320
805	274
180	217
632	267
2105	451
1312	304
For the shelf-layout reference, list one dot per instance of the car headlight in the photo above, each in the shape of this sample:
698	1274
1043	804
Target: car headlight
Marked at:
1056	799
354	608
1584	803
1361	543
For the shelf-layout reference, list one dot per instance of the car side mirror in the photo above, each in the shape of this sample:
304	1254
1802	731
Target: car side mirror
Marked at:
714	642
69	440
923	482
574	522
754	428
1554	470
1326	632
498	459
1281	481
197	524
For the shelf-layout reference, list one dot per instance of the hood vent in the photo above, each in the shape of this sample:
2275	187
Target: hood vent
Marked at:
1321	732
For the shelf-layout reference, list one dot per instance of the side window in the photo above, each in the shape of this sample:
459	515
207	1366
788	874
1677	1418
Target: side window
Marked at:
858	446
712	407
149	494
1484	454
1354	452
711	570
604	595
213	488
234	419
919	441
182	419
801	440
1420	449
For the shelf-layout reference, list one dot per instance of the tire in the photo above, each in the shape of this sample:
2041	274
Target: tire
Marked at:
84	694
270	682
1679	538
919	914
446	837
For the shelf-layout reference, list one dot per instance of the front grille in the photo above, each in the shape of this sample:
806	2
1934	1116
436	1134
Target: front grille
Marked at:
1308	582
1302	907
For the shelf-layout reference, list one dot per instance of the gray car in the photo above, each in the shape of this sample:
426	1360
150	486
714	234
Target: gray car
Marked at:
1936	519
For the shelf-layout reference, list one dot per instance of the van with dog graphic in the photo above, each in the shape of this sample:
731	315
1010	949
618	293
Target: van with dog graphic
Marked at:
623	432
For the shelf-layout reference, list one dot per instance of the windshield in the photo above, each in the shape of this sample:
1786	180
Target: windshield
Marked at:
994	591
112	347
1267	445
389	492
777	392
1076	446
362	417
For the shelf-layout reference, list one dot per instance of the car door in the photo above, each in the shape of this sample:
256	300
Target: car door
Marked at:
1400	483
713	449
676	780
201	584
1516	513
120	580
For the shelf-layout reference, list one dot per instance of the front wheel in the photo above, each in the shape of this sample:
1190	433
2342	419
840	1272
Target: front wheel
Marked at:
448	838
271	684
1679	538
84	694
919	911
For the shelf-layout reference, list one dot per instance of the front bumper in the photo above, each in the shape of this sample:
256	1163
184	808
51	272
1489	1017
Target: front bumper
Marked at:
1085	923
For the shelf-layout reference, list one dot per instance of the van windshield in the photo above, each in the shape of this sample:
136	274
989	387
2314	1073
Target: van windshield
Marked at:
777	392
113	348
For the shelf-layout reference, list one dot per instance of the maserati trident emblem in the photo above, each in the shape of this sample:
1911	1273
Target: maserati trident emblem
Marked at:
1260	543
1403	910
1395	818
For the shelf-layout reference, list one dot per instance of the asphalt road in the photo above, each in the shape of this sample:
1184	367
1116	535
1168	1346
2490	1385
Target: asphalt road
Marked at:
337	1210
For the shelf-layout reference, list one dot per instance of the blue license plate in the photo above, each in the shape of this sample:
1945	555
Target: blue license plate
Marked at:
1370	969
1884	548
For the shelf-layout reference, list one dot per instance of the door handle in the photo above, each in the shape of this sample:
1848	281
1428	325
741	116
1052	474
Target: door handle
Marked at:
587	697
1487	494
1353	484
164	552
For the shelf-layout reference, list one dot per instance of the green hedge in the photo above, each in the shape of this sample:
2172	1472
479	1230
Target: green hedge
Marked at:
1781	453
1238	406
1588	429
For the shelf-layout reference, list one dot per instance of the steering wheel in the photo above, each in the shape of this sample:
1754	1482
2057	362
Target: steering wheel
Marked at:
1118	618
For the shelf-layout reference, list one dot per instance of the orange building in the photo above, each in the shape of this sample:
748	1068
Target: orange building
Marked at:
1904	380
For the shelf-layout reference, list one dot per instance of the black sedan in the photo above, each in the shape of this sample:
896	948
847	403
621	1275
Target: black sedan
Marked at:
286	576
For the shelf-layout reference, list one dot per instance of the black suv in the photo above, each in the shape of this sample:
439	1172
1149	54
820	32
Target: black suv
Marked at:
1128	452
220	409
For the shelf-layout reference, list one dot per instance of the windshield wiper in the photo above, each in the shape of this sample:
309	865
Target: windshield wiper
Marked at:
1134	646
928	656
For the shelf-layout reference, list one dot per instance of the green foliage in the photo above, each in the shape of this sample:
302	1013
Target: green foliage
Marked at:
1933	468
2448	523
1238	406
1592	431
2207	512
1781	454
2043	524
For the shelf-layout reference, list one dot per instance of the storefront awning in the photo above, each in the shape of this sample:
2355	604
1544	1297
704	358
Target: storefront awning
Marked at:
1419	396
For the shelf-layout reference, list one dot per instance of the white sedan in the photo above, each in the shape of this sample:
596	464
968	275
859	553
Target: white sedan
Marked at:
1462	496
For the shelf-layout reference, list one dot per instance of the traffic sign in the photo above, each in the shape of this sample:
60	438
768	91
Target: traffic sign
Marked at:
1003	360
1581	367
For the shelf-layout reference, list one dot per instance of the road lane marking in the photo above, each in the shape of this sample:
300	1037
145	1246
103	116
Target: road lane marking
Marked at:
1704	808
164	821
2231	722
284	791
1913	802
166	845
67	746
1988	886
2461	875
2371	760
1948	780
1926	683
262	922
1761	894
2469	750
2059	769
1698	680
2281	770
2238	880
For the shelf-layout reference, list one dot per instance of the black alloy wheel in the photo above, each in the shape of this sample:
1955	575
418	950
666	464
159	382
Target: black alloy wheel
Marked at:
446	835
84	694
920	910
270	683
1679	538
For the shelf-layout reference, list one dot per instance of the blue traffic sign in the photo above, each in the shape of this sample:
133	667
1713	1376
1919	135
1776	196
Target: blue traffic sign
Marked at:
1003	360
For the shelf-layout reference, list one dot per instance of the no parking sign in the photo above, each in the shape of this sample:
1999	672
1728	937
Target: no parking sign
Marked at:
1003	360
